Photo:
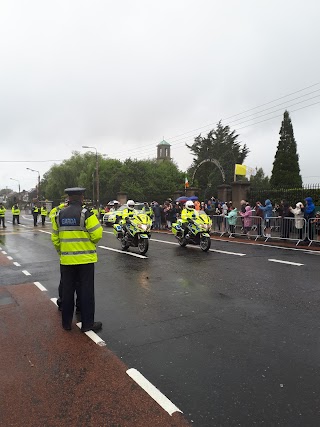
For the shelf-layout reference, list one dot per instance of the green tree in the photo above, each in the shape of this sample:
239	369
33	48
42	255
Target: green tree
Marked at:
260	180
140	179
221	144
286	170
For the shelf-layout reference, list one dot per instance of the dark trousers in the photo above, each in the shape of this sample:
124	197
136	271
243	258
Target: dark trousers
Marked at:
35	219
15	217
2	221
59	300
43	219
83	275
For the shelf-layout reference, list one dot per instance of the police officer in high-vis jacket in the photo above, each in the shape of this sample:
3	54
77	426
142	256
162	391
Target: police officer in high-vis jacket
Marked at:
2	215
75	233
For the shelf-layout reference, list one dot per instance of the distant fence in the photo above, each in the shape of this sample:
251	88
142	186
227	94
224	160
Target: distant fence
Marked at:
292	195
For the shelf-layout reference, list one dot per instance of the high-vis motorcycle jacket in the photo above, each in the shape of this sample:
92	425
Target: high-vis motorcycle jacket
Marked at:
75	232
2	211
186	213
15	210
127	213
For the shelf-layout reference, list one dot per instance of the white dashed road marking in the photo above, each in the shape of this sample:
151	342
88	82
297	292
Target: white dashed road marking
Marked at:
10	258
211	250
41	287
286	262
47	232
152	391
26	272
17	264
92	335
123	252
4	252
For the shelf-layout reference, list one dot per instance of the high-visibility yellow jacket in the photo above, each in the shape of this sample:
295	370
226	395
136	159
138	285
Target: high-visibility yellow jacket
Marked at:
186	213
35	210
15	211
44	211
2	211
127	213
75	232
54	211
96	212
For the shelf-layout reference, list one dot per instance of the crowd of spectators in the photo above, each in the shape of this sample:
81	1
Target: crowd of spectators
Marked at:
257	219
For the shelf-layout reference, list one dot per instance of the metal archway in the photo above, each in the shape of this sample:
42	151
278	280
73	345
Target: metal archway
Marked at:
215	161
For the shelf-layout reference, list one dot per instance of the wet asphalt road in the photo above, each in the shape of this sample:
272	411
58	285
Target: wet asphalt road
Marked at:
229	337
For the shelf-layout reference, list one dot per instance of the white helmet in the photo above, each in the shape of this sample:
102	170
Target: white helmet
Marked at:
189	204
130	204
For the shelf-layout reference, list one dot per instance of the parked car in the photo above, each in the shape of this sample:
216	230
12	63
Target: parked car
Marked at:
114	217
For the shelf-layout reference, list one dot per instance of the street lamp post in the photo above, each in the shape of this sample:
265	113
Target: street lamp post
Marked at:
38	187
13	179
97	173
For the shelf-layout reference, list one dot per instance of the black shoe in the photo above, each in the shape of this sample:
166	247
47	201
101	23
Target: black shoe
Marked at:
59	304
97	326
66	328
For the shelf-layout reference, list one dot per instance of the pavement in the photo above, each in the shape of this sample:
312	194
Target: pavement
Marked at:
51	377
228	337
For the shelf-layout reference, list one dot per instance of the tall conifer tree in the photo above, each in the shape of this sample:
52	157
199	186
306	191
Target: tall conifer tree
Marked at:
286	170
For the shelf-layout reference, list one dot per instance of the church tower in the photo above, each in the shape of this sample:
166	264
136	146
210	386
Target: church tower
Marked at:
163	151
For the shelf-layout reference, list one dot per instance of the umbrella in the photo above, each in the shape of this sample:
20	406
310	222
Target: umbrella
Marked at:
182	199
193	198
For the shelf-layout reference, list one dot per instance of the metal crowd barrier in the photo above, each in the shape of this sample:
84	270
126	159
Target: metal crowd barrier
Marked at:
288	228
220	225
313	230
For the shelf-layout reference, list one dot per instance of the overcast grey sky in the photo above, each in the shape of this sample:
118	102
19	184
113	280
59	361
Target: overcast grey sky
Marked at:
120	75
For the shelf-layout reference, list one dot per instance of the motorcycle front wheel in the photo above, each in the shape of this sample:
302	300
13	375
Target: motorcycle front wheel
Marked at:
124	244
143	246
182	242
205	243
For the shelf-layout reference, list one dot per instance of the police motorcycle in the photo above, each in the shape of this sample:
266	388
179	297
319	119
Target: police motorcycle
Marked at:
193	228
134	230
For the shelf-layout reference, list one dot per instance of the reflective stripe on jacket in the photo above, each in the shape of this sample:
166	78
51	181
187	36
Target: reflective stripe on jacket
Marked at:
75	232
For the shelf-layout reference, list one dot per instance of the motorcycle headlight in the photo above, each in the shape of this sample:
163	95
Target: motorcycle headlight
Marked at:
143	227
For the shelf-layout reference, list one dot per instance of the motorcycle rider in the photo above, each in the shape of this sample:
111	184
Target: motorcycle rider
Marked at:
189	212
128	213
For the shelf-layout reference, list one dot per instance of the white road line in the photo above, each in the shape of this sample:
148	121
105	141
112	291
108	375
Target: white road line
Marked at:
211	250
0	249
152	391
41	287
10	258
54	300
269	246
92	335
285	262
26	272
47	232
17	264
164	241
123	252
22	225
4	252
226	252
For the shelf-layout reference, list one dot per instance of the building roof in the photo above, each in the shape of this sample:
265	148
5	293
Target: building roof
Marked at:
163	142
